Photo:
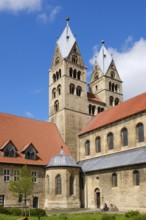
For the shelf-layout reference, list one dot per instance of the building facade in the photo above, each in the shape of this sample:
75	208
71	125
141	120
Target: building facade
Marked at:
93	150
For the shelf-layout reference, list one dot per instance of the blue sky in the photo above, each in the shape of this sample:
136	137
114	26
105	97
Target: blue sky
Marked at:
28	33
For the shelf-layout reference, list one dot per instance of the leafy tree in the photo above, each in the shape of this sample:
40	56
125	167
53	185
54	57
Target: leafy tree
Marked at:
23	185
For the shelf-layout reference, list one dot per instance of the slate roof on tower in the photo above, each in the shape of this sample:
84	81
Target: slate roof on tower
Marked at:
121	111
66	42
23	132
104	59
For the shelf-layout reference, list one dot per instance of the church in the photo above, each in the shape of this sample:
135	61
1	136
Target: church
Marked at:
93	149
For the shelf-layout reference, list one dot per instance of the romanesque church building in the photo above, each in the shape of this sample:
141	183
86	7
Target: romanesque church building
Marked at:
93	149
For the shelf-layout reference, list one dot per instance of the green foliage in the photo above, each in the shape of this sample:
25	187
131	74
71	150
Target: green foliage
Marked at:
132	213
108	217
37	212
24	185
139	217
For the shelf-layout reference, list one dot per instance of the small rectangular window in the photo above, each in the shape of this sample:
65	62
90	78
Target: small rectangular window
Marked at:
16	175
34	176
6	175
1	200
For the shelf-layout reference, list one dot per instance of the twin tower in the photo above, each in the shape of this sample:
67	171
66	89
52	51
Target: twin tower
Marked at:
73	102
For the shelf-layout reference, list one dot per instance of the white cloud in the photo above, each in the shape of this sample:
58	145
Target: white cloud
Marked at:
29	114
131	65
20	5
49	14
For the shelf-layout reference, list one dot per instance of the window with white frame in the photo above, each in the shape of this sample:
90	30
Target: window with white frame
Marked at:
6	175
16	175
34	176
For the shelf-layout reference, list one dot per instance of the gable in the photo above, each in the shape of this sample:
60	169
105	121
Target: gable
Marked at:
112	72
45	137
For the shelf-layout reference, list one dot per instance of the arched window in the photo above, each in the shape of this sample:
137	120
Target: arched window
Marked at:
72	88
112	75
96	87
116	101
90	109
59	73
87	148
70	72
54	93
71	185
116	87
54	77
136	178
56	106
59	89
110	141
9	151
96	76
57	61
75	74
98	144
79	75
114	180
47	184
111	100
113	87
140	132
78	90
75	59
93	109
124	137
110	86
58	185
30	153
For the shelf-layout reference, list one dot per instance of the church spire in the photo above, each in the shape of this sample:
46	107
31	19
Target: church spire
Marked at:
104	59
66	41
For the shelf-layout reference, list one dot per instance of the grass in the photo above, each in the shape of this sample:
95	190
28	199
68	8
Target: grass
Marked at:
85	216
90	216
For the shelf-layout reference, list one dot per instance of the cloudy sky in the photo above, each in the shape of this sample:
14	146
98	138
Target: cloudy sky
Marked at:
28	34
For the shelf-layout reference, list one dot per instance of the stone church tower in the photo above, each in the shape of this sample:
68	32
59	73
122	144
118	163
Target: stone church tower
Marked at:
67	90
71	106
105	80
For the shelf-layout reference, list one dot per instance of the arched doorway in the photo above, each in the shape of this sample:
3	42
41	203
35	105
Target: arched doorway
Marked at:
97	197
35	202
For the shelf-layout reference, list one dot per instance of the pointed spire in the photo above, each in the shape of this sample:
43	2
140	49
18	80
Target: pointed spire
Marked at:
104	59
66	41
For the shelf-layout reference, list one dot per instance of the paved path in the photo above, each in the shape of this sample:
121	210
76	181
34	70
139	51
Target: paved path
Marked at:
76	211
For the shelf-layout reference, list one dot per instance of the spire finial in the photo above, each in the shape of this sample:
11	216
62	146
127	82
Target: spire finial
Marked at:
102	42
67	20
67	36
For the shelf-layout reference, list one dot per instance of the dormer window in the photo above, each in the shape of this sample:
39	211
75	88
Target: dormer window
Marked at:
30	152
9	150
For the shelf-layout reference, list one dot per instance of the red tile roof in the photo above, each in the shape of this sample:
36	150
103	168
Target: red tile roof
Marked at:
123	110
94	98
21	131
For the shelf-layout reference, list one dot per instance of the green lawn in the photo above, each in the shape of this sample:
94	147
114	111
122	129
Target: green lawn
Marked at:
90	216
85	216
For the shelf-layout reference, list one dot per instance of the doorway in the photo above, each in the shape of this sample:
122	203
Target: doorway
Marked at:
35	202
97	197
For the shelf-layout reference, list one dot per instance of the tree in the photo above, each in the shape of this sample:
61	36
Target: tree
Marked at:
23	184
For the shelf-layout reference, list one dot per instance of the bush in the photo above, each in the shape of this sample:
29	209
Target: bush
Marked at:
140	217
132	213
37	212
15	211
108	217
